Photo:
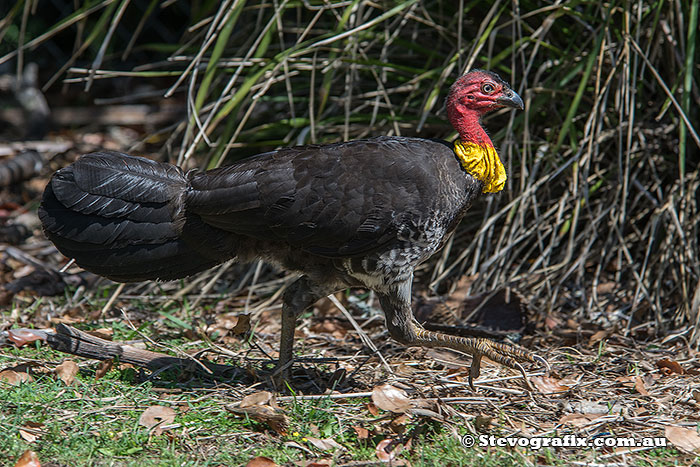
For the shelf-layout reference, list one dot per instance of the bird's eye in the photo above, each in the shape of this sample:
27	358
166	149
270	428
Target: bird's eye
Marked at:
487	88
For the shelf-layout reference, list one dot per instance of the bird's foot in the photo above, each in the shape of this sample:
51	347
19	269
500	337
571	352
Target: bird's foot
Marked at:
506	354
500	352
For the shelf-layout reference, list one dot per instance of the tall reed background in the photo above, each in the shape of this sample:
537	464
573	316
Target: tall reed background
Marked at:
600	214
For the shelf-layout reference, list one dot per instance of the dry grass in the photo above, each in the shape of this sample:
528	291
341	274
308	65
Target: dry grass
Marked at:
603	172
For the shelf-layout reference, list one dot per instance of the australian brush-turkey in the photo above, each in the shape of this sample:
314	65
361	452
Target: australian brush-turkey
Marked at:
362	213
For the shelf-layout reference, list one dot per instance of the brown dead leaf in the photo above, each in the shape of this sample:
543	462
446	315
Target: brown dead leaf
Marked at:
233	324
242	325
261	461
257	398
330	326
66	371
31	431
482	423
668	367
103	368
391	399
683	438
551	322
103	333
390	457
640	386
15	378
606	287
157	416
548	385
28	459
597	337
23	336
318	463
326	444
373	409
627	380
362	433
398	425
578	419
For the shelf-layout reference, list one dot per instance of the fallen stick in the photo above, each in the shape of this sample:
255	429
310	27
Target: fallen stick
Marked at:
69	340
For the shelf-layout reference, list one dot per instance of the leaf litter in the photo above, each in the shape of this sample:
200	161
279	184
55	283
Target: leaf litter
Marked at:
612	380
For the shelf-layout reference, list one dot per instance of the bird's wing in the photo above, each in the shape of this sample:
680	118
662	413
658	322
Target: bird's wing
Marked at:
337	200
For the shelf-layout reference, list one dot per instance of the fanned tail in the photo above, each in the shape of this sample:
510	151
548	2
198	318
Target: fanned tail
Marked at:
124	217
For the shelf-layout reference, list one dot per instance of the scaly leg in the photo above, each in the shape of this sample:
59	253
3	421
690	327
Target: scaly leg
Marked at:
298	297
396	303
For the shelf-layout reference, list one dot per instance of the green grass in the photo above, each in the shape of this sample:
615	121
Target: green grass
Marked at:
95	422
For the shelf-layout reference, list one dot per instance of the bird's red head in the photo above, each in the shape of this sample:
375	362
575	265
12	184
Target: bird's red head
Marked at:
473	95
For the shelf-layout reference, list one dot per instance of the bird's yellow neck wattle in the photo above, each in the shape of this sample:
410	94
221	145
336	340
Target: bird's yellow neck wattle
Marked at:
482	163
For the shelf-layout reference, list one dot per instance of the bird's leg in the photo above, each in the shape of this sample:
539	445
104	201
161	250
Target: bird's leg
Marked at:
396	303
298	297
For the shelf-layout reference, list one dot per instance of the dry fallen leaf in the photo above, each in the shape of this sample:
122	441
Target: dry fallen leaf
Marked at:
231	324
551	322
242	325
23	336
597	337
606	287
373	409
103	368
398	425
362	433
591	407
382	455
67	371
391	399
578	419
157	416
334	327
548	385
389	457
257	398
327	444
28	459
683	438
14	378
640	386
31	431
670	366
261	461
103	333
317	463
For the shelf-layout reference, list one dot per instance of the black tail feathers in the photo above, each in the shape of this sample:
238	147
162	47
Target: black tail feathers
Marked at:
124	218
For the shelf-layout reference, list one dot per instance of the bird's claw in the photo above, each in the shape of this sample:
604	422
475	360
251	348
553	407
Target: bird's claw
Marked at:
507	355
543	362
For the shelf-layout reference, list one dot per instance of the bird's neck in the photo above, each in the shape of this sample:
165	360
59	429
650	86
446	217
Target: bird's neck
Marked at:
468	125
476	153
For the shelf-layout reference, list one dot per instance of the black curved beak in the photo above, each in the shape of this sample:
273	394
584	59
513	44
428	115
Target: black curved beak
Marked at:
511	98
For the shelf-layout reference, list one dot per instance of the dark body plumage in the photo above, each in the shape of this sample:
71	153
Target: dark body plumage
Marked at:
362	213
349	213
